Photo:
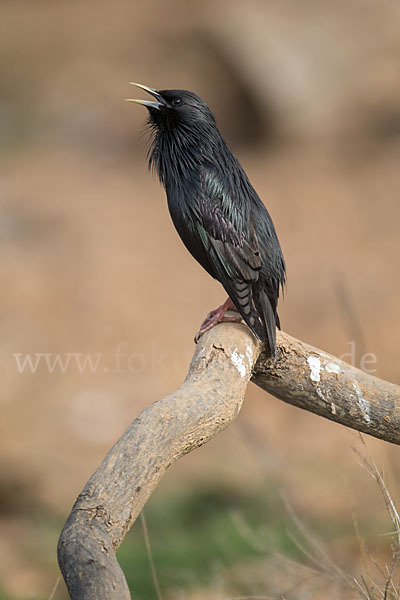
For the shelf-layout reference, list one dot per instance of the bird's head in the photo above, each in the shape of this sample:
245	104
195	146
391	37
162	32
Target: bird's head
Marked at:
175	109
184	132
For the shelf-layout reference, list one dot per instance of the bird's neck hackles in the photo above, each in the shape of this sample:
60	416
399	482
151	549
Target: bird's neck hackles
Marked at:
177	152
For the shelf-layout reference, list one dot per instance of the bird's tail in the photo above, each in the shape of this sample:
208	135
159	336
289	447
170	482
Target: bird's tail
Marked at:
256	310
268	318
265	322
262	320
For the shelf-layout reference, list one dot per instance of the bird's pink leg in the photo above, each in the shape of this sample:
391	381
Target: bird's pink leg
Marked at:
218	316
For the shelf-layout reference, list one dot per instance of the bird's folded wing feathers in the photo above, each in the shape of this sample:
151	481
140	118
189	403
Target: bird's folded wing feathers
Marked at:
227	234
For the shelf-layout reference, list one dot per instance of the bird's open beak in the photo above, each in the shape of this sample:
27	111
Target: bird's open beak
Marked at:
149	103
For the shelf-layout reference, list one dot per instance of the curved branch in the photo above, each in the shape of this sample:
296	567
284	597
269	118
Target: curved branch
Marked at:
208	401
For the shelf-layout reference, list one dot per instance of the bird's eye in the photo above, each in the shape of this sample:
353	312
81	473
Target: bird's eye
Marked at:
176	101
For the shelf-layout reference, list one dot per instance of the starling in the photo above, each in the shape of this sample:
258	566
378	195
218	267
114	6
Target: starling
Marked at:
215	210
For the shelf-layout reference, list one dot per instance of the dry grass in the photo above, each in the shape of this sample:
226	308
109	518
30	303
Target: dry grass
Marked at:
377	581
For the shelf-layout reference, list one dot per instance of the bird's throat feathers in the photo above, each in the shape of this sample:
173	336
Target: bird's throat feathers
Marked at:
178	149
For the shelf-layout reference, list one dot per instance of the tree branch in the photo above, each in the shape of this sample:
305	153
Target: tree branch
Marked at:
313	380
208	401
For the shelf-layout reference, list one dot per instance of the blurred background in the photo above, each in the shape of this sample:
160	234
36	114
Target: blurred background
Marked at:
307	95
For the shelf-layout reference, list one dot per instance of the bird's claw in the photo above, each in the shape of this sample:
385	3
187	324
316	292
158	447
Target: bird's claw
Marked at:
216	316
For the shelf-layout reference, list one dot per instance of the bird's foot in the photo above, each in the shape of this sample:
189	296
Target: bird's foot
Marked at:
218	316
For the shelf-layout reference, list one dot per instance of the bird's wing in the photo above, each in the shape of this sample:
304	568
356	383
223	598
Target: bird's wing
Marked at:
228	238
226	231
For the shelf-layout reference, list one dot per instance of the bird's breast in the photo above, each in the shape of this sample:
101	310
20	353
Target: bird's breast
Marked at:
182	207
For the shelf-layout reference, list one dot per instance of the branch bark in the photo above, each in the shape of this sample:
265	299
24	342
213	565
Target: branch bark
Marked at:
210	398
313	380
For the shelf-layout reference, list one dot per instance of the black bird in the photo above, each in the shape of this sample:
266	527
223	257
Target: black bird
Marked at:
215	209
